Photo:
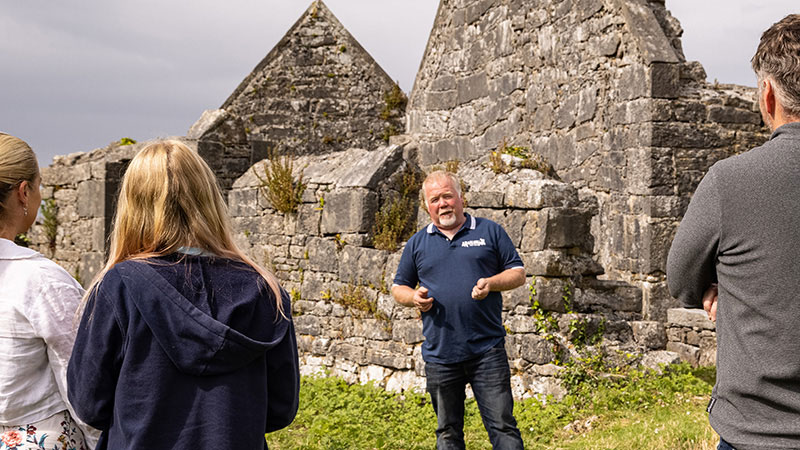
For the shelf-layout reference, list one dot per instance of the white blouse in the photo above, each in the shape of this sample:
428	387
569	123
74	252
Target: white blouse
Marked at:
38	303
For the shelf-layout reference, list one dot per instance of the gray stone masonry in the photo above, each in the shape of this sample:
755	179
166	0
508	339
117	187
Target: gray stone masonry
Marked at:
317	91
601	90
347	322
692	335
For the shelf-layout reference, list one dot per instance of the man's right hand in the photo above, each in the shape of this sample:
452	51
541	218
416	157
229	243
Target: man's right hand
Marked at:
421	299
710	302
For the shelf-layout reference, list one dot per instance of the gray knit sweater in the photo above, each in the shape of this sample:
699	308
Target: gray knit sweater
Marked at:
742	230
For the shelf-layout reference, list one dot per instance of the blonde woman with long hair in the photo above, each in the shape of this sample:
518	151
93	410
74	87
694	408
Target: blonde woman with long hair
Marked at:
38	300
184	342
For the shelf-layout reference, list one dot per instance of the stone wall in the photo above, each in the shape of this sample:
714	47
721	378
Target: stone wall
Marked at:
692	336
325	258
317	91
601	89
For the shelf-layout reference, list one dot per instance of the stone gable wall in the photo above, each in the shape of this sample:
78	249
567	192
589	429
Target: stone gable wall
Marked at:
318	91
601	90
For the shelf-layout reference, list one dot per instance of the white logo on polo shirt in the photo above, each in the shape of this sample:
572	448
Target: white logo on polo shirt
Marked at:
476	243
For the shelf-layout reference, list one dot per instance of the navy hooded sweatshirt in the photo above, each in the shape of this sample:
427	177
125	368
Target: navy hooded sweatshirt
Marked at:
184	352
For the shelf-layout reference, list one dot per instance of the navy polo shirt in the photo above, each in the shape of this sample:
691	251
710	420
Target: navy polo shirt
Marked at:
458	328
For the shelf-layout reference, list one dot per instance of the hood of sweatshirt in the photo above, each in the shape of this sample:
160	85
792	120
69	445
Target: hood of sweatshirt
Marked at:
209	315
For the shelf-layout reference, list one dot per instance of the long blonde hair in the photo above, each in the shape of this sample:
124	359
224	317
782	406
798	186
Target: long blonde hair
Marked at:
17	164
170	199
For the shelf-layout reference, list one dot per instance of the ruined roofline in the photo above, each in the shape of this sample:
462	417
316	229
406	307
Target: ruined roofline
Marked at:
317	7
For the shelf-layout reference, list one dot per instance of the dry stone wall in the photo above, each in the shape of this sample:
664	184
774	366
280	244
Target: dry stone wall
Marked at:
600	88
325	257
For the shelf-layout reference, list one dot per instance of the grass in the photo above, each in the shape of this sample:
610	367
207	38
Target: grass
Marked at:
643	410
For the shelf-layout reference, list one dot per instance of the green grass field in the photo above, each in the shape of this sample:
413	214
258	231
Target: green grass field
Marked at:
634	410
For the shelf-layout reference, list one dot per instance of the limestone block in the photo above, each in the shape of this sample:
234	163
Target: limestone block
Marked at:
538	194
408	331
373	329
472	87
349	210
436	101
374	374
587	104
547	387
656	301
649	334
305	343
389	357
519	297
98	235
686	317
323	255
91	198
208	120
687	352
243	202
656	360
348	352
405	380
555	263
520	324
362	265
550	293
647	32
57	175
535	349
90	265
567	228
724	114
665	80
535	231
307	324
608	294
372	168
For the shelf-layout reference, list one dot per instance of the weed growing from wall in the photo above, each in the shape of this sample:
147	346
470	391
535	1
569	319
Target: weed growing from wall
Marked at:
529	159
394	103
394	222
354	297
279	186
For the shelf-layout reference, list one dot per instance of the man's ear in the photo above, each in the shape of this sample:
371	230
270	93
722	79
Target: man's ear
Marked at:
768	96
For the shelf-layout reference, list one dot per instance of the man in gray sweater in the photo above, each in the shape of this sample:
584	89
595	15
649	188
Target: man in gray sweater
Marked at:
739	242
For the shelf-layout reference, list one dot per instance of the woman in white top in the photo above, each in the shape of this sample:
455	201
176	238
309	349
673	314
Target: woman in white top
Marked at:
38	300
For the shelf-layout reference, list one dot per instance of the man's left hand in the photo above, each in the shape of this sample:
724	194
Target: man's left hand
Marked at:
481	289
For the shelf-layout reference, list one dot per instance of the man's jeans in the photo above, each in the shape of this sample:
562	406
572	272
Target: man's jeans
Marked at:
724	445
490	379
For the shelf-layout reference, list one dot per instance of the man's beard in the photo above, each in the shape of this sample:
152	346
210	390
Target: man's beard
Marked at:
449	220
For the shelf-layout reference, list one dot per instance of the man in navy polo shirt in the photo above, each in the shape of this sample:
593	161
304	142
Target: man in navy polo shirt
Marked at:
452	271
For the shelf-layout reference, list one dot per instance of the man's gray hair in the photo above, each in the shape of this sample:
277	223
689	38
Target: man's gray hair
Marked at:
439	175
778	58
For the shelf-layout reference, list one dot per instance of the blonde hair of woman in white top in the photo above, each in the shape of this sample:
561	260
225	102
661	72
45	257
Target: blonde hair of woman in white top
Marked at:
38	302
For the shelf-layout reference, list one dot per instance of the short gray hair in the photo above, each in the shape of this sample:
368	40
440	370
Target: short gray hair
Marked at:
778	58
438	175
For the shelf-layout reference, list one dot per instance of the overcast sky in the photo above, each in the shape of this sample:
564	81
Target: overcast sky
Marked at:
75	76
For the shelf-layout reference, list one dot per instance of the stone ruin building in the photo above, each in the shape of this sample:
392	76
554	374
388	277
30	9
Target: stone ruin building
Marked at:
576	124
